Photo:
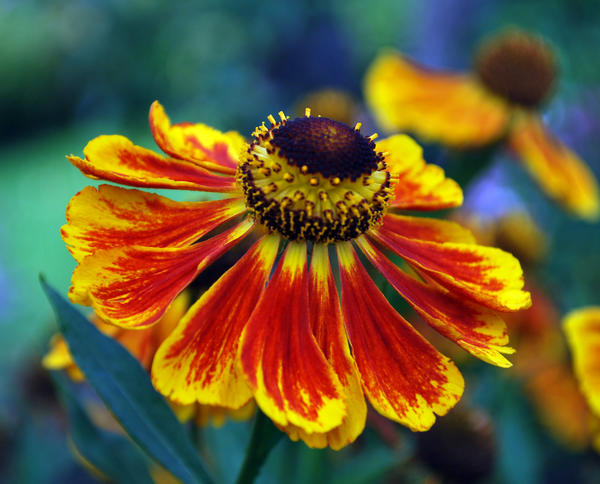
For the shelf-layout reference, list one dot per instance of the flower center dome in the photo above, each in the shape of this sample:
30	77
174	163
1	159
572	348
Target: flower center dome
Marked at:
518	67
314	179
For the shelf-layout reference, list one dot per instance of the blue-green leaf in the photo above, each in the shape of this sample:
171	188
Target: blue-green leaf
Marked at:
111	454
127	391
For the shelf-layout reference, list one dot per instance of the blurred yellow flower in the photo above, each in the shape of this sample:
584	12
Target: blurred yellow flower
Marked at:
582	327
330	103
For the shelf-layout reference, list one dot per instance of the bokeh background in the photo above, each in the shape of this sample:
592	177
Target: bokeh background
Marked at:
71	70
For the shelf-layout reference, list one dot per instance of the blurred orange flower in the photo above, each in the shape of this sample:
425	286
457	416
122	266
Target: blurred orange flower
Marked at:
514	74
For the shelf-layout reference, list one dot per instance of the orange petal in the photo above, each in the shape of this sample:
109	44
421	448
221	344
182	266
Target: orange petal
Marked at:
202	144
110	216
583	334
485	275
451	108
559	171
115	158
328	327
133	286
416	184
560	405
291	380
478	330
405	378
197	362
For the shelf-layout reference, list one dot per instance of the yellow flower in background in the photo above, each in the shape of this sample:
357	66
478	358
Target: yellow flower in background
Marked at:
143	344
330	103
582	327
514	74
274	327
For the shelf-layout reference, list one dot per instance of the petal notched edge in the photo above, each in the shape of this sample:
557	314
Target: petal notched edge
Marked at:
478	330
405	378
291	379
486	275
328	328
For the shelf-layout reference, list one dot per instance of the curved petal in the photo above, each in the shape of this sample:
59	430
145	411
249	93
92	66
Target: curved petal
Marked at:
478	330
197	362
202	144
559	171
405	378
486	275
109	217
291	380
417	185
132	287
114	158
328	328
583	334
451	108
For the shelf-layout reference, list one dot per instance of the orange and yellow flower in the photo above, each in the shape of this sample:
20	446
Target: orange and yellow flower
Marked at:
318	196
514	74
583	334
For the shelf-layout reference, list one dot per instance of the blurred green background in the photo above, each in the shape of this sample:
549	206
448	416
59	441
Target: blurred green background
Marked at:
72	70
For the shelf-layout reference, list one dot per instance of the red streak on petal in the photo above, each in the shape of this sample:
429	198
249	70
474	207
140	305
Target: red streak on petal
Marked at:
111	216
400	370
213	327
457	320
135	285
279	351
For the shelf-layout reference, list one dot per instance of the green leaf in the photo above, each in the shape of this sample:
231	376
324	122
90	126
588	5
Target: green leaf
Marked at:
127	391
113	455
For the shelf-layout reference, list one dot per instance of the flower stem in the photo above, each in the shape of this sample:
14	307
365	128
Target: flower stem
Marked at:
264	437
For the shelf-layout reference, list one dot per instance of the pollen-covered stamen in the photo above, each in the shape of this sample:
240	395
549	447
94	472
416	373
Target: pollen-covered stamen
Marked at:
518	67
320	180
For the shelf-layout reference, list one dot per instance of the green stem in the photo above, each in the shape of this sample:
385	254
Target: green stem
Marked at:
264	437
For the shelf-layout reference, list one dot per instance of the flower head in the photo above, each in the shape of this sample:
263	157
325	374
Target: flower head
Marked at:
514	74
314	193
518	67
